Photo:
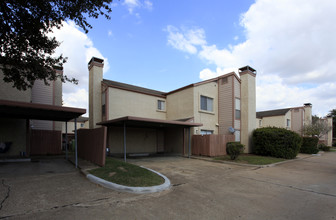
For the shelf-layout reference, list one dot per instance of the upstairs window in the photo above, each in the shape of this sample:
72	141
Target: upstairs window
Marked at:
161	105
206	103
237	109
288	123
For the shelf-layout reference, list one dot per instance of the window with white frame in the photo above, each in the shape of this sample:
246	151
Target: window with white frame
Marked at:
206	103
237	105
288	123
237	135
161	105
204	132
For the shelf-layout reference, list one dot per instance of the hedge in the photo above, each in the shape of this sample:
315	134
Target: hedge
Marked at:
234	149
309	145
276	142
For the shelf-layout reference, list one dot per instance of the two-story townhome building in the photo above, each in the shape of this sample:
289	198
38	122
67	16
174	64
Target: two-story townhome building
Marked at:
156	121
31	120
292	119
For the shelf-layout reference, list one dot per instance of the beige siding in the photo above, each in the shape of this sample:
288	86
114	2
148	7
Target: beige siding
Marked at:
138	140
274	121
236	87
41	93
174	140
7	92
125	103
71	126
208	119
225	105
297	120
180	104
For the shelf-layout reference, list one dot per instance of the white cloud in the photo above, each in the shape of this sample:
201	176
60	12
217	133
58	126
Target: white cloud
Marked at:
186	39
79	49
136	4
291	41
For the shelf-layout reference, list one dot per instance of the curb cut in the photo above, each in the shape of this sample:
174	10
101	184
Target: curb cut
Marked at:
130	189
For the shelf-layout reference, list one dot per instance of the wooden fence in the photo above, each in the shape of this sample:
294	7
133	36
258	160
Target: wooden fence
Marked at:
210	145
92	145
44	142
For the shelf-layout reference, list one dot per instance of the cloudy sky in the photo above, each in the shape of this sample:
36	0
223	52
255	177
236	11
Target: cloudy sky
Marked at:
165	45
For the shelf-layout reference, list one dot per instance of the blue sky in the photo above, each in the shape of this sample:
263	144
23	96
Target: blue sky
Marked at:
165	45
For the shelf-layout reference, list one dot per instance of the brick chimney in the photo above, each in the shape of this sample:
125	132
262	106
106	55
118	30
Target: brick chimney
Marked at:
95	78
248	106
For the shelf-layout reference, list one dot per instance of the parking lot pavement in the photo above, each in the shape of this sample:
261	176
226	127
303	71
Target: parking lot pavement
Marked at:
300	189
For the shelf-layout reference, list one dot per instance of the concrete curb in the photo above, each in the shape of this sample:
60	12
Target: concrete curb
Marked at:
129	189
253	165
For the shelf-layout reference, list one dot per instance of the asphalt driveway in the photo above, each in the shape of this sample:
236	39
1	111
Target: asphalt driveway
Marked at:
301	189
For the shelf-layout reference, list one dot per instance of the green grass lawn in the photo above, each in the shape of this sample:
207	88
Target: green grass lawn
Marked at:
333	149
126	174
252	159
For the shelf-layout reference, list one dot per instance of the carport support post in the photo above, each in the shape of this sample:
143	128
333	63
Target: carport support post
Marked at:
189	142
66	140
76	142
125	141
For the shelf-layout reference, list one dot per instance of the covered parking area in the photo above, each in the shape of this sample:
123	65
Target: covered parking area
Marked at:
131	136
16	127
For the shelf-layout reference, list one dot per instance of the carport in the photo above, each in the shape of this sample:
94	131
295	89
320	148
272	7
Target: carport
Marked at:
25	110
139	122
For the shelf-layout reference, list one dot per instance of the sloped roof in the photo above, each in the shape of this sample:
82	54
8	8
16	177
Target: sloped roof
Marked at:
270	113
129	87
143	90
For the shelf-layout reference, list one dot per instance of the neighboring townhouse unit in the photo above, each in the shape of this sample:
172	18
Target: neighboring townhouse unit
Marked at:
290	118
19	110
208	107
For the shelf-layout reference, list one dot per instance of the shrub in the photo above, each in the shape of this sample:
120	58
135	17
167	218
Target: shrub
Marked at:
309	145
234	149
324	147
276	142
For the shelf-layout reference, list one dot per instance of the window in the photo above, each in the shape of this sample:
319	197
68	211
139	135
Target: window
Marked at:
288	123
206	103
103	104
82	125
237	109
237	135
161	105
260	123
204	132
